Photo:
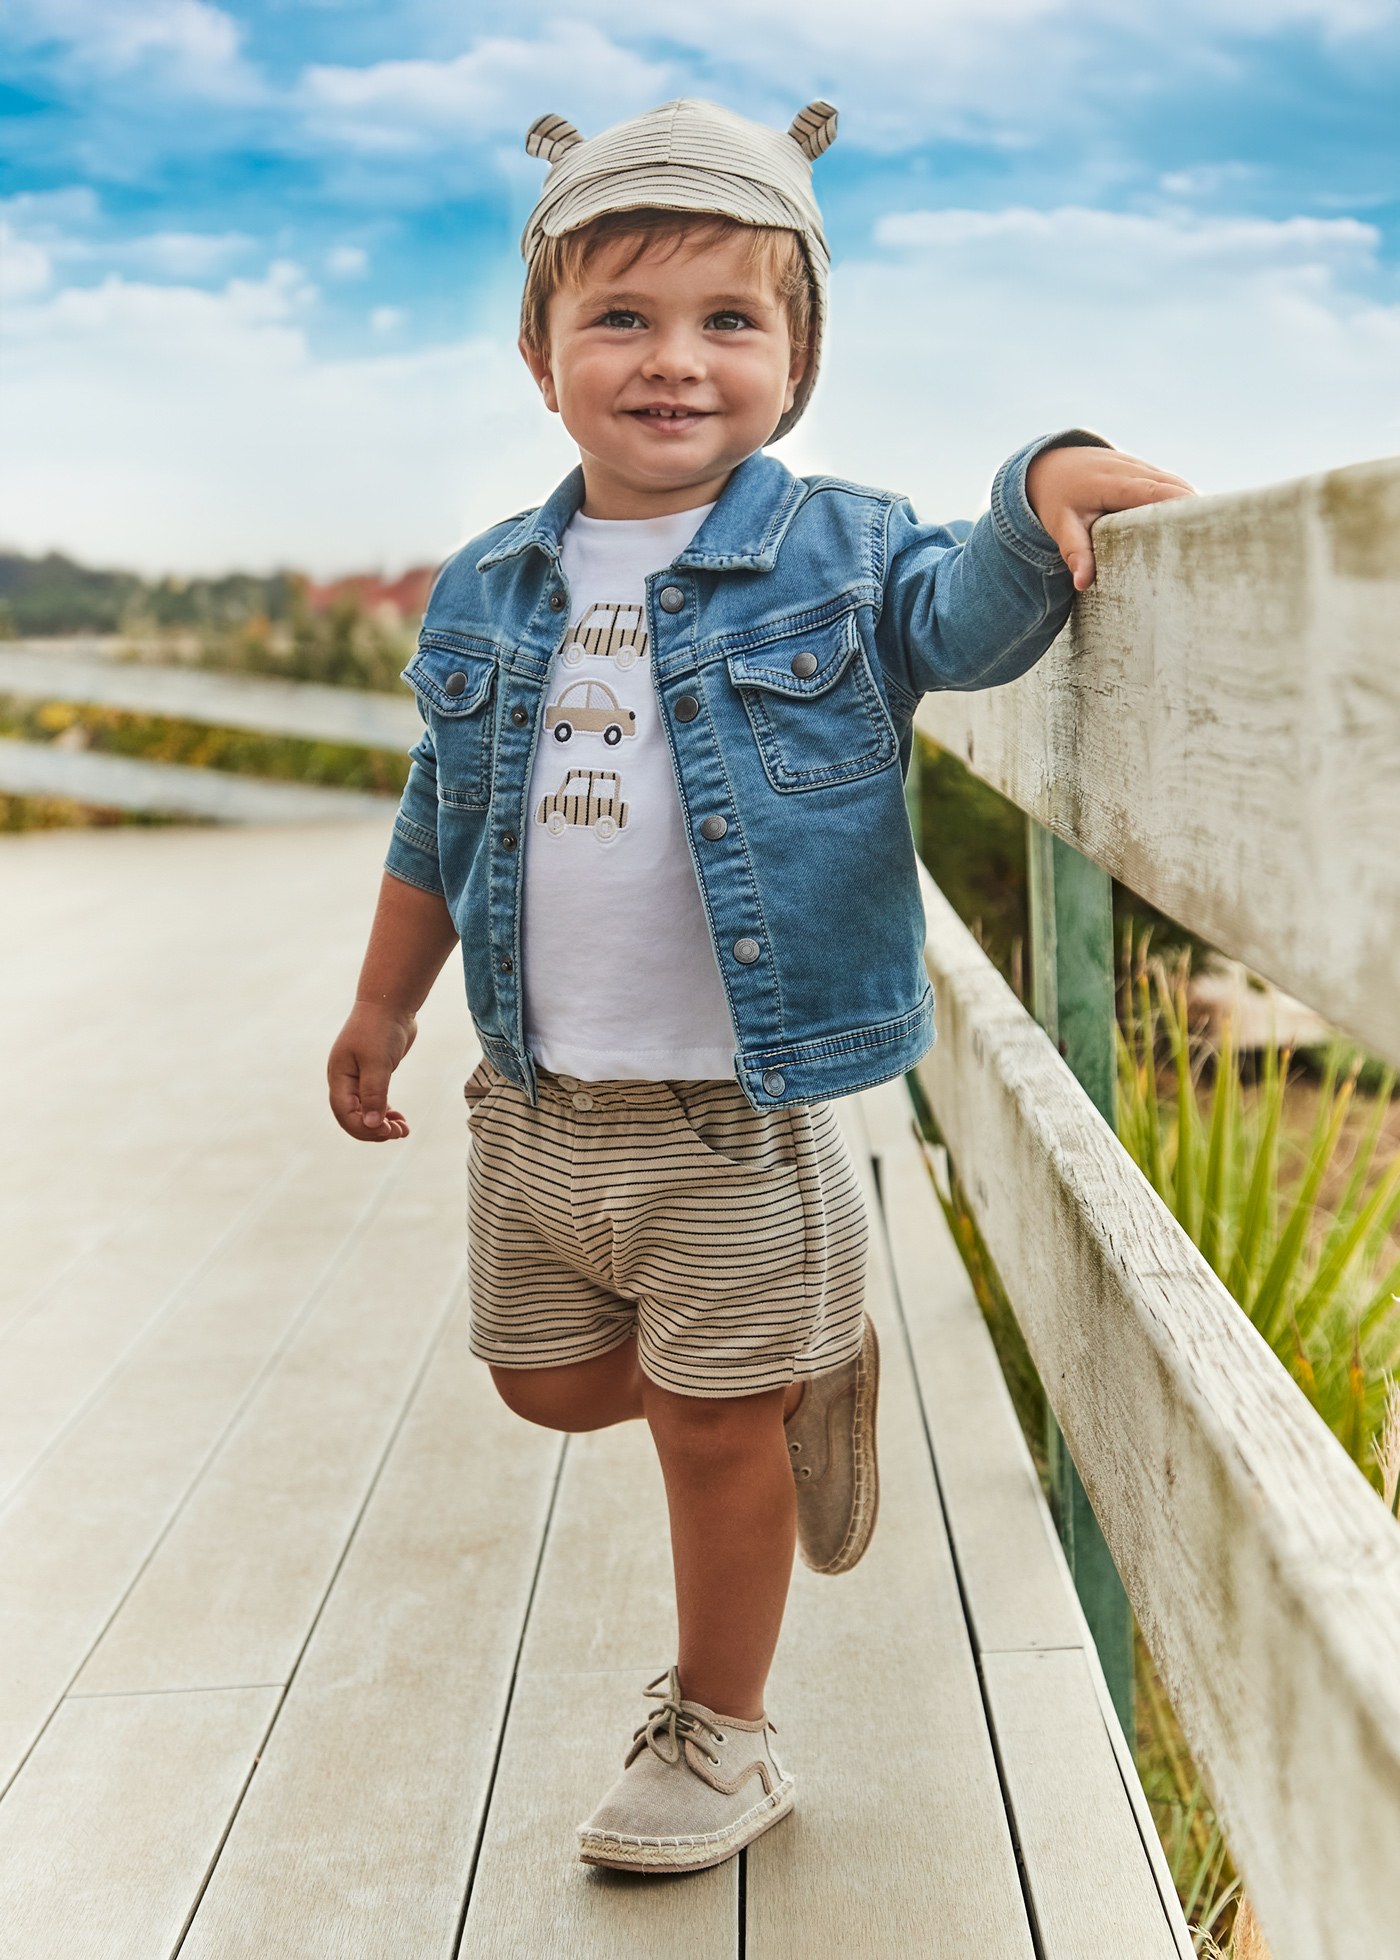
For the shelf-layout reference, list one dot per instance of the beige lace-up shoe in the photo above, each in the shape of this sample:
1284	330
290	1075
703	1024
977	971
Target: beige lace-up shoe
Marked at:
695	1788
831	1440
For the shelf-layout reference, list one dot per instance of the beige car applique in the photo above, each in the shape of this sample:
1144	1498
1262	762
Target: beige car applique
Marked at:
610	632
592	709
588	798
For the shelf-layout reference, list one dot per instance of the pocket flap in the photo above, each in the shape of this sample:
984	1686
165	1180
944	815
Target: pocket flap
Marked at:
454	680
825	650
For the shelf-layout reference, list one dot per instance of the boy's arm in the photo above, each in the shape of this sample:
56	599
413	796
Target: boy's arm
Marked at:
410	939
981	612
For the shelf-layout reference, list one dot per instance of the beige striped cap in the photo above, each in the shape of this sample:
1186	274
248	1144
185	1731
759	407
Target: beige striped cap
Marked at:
692	156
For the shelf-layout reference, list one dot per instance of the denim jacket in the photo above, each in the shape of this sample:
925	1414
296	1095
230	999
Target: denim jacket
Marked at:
790	642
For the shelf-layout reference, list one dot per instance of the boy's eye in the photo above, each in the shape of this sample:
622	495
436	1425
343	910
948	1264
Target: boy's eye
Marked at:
617	316
729	320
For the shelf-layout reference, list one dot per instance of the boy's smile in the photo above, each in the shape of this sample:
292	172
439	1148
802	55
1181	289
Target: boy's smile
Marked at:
668	374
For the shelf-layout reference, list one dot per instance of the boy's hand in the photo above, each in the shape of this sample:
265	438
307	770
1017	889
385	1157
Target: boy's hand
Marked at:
366	1052
1069	488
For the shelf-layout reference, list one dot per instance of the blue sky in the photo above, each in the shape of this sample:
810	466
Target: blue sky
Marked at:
259	263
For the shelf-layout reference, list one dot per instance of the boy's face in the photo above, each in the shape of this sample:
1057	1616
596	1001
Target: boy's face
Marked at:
667	375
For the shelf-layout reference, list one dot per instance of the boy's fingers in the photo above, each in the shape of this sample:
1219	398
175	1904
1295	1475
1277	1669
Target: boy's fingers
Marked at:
1071	534
374	1094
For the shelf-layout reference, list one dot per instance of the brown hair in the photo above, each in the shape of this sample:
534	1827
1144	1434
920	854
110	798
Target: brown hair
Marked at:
562	261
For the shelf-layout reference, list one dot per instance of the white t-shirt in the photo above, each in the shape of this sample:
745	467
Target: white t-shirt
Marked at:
618	965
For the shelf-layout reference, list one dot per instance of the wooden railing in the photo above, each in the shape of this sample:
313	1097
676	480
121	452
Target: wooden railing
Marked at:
1219	728
35	671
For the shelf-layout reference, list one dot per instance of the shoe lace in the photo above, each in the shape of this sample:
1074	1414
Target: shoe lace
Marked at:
667	1725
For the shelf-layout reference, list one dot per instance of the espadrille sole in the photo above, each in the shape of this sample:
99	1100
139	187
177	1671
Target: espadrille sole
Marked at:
623	1853
865	1505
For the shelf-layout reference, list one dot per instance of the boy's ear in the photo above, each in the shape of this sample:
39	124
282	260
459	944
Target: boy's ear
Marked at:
797	374
539	367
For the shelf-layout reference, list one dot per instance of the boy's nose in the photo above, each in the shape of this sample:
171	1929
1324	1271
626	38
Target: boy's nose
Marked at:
675	357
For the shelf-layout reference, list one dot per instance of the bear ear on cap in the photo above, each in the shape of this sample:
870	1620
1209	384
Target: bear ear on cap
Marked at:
814	129
551	137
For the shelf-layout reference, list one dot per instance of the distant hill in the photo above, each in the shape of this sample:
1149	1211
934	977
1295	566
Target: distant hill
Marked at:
55	594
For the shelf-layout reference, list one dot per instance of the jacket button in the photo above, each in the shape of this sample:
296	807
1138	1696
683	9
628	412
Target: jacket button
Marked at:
455	684
519	717
687	708
508	838
773	1083
746	951
804	665
670	598
557	601
713	827
506	963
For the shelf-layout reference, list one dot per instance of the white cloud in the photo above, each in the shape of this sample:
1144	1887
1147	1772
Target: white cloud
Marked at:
999	71
25	267
181	254
192	45
386	319
1233	351
497	88
166	427
347	261
170	427
1209	180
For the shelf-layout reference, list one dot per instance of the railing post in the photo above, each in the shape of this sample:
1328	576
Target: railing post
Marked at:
1072	975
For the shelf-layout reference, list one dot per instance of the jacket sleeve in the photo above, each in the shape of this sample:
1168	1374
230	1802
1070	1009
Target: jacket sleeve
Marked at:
977	610
413	846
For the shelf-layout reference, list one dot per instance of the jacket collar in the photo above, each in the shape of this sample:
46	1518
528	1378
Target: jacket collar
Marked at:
741	534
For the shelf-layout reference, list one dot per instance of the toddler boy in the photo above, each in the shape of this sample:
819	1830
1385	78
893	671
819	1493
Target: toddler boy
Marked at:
659	800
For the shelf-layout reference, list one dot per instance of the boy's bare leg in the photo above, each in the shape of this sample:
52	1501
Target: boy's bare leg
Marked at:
581	1395
733	1506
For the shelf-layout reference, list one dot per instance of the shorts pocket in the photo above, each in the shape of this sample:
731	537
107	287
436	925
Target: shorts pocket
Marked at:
480	1086
734	1134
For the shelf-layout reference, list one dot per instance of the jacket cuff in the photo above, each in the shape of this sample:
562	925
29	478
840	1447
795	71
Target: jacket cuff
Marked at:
1016	524
413	856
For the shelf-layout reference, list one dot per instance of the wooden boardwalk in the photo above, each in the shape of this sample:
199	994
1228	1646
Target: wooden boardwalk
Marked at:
309	1648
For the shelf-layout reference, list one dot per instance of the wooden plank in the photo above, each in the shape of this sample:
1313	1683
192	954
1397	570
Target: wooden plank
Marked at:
1017	1590
266	705
107	1834
605	1598
900	1841
1219	725
602	1625
61	1347
235	947
76	1534
232	1590
357	1832
1263	1572
119	782
1013	1580
566	1741
1091	1887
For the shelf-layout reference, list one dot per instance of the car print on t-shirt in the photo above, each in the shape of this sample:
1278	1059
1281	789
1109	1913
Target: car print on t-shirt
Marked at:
589	799
590	707
610	632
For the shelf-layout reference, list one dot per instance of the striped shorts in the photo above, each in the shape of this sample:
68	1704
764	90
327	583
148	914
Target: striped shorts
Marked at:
730	1240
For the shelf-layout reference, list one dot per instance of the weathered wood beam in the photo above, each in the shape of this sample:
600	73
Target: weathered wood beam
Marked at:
269	706
1219	727
120	783
1264	1571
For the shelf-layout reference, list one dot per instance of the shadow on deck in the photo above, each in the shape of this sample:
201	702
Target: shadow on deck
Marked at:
311	1648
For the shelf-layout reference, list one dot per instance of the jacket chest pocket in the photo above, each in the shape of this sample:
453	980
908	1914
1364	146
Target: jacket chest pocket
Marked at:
814	708
456	689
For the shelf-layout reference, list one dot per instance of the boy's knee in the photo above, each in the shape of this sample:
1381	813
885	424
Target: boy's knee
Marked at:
710	1431
539	1396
